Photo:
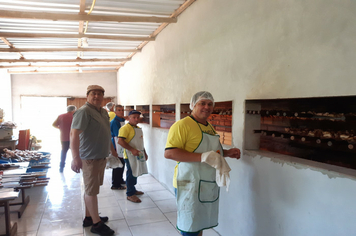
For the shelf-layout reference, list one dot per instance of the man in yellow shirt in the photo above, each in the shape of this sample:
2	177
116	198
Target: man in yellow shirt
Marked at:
195	182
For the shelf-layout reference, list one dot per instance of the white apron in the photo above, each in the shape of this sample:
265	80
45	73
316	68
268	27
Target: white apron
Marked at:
197	192
137	163
119	149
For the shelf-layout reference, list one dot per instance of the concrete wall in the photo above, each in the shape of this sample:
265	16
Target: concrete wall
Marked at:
5	95
61	85
247	50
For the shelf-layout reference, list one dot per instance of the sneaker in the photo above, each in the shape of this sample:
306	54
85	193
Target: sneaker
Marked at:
102	229
89	221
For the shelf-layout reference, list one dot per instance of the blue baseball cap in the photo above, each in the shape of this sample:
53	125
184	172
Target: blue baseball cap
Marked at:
134	112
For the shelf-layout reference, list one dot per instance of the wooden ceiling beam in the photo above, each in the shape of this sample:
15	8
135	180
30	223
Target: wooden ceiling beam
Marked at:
6	42
81	12
66	50
10	45
81	24
61	71
119	66
83	17
112	37
63	60
55	66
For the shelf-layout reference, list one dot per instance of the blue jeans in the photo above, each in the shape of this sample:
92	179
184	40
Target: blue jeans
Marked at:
65	147
131	181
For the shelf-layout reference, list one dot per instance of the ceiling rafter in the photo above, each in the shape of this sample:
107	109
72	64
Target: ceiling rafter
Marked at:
30	35
6	42
61	71
66	50
55	66
64	60
83	17
81	24
10	45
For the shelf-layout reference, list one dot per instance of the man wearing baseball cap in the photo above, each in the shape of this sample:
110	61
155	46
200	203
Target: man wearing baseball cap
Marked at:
135	156
90	142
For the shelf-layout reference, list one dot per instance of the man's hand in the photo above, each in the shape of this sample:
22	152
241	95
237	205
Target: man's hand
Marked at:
74	147
233	153
113	151
76	165
127	146
135	152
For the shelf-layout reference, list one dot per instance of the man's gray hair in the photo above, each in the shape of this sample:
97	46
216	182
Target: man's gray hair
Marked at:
110	105
71	108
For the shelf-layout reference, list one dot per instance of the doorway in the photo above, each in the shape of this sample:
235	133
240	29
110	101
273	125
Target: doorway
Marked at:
38	115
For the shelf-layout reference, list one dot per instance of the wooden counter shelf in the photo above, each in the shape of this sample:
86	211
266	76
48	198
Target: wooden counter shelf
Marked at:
5	198
163	116
321	129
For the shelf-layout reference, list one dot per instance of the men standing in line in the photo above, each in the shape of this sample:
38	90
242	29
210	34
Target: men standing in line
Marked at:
191	141
110	106
63	123
115	125
135	156
90	144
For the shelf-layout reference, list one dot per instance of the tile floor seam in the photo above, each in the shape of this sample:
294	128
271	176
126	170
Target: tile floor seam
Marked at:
164	213
117	200
141	209
44	209
123	215
149	223
148	196
170	221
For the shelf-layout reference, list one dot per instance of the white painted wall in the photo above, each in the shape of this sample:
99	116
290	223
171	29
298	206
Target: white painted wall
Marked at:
247	50
61	85
5	95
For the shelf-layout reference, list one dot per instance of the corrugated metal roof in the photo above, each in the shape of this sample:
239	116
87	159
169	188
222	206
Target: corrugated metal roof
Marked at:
25	25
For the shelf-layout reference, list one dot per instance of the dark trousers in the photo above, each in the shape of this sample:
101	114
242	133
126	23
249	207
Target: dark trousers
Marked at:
117	174
65	147
131	181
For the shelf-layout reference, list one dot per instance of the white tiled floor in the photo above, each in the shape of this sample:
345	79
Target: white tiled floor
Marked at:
57	209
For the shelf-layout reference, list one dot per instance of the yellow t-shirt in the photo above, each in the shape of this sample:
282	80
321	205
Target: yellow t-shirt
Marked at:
128	133
111	115
186	134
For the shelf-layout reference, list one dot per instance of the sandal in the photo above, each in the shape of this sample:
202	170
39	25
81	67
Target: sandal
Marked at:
139	193
134	199
118	188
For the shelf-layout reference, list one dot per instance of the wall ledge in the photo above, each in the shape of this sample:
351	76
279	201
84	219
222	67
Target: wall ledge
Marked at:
330	170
